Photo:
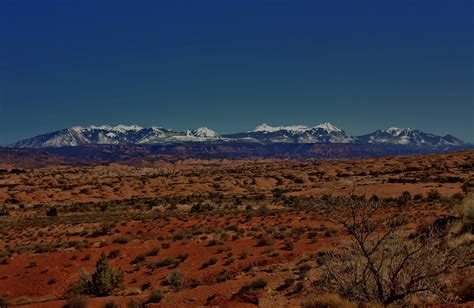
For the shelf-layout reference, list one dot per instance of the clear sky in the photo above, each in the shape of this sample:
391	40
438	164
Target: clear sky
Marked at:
233	64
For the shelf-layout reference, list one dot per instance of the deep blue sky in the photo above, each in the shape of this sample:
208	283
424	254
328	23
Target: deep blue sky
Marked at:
233	64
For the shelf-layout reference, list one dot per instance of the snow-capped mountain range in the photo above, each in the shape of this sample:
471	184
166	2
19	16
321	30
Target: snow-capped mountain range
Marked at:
262	134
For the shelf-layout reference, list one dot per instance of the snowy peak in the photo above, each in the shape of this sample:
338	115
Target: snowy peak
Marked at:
408	136
202	132
328	127
395	131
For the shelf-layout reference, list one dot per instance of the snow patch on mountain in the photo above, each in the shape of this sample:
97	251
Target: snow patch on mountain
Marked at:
271	129
295	128
202	132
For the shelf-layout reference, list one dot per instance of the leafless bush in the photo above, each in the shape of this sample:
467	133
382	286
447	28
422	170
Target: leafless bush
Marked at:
383	265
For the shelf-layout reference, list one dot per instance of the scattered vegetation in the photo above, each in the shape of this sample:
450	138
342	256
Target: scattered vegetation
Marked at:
103	281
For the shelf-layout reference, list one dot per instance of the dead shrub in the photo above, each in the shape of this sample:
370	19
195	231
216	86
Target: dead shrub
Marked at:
381	264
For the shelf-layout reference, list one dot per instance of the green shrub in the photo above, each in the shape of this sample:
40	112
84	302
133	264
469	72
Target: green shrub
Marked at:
103	281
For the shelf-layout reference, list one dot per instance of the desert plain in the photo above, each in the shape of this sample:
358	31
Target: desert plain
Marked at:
224	233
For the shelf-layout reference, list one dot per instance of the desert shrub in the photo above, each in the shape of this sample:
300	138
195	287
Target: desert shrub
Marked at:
52	212
328	232
200	208
467	208
467	186
264	241
380	264
304	268
4	211
224	276
138	259
145	286
433	195
152	252
463	286
51	281
82	286
4	302
103	281
298	180
243	255
229	261
288	245
168	261
247	268
211	261
176	280
155	297
103	230
418	197
457	197
135	303
404	198
183	256
213	242
111	304
288	282
121	240
76	301
114	254
253	286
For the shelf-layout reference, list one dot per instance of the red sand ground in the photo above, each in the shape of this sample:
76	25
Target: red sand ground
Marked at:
28	275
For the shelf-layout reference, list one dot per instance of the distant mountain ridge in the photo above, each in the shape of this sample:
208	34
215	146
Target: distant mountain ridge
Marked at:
325	133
